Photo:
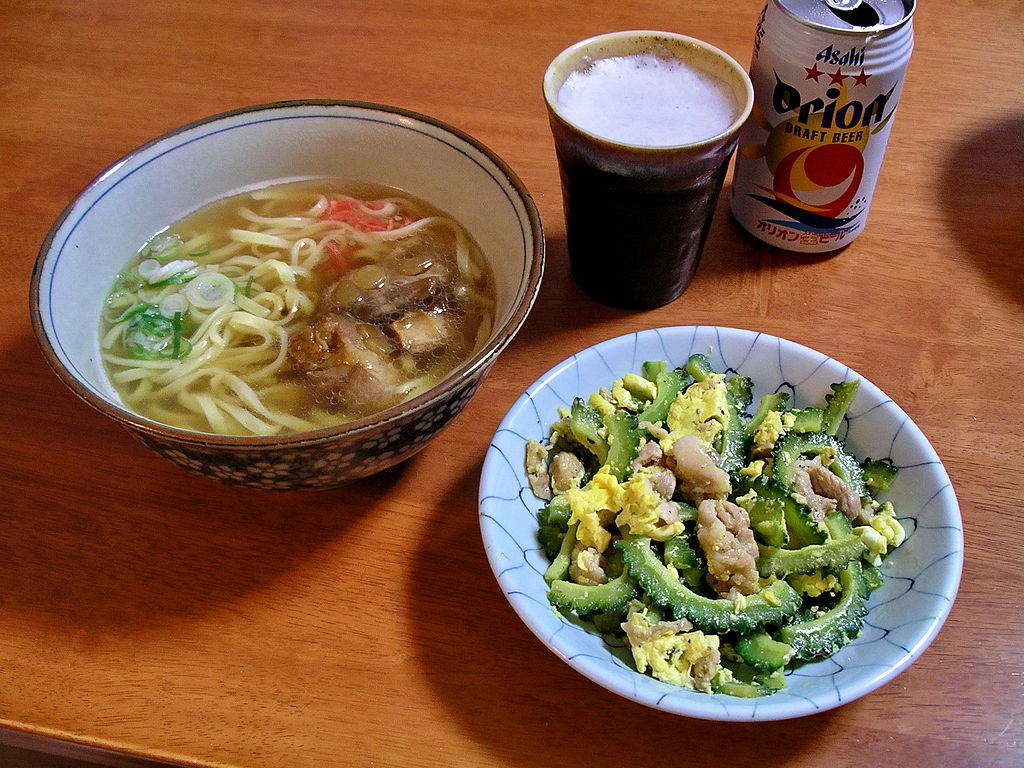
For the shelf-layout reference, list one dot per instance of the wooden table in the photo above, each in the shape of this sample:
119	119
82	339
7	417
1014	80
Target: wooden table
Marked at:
147	613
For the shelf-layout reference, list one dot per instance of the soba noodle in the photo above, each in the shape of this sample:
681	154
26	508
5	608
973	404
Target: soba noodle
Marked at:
216	324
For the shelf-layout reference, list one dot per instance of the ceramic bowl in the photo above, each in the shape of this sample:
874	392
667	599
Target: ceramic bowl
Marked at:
905	613
173	175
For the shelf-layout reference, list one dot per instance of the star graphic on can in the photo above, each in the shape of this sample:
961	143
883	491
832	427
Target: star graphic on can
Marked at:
813	73
837	77
862	78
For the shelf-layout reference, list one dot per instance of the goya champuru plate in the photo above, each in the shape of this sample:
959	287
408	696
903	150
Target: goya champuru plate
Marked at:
906	594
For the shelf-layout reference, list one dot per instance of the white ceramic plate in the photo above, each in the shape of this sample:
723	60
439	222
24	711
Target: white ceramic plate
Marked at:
905	613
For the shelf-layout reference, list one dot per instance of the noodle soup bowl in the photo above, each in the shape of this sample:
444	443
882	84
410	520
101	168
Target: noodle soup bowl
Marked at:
166	179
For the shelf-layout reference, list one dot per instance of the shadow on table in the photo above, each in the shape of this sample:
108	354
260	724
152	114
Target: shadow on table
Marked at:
14	757
516	699
168	544
38	752
982	201
562	309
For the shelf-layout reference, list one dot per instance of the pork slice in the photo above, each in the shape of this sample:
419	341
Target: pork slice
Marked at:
567	471
827	483
697	468
703	670
819	505
339	366
662	482
649	453
397	295
537	469
587	566
724	534
419	332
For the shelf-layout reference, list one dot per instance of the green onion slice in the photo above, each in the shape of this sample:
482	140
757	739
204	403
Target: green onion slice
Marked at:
209	290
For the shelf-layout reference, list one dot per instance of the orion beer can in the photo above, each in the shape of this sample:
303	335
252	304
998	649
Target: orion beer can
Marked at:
827	76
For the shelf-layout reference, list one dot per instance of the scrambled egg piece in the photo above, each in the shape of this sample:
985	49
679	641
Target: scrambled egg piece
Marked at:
640	509
633	505
813	584
670	656
593	507
701	410
560	430
629	392
623	397
739	602
601	404
747	499
774	426
754	468
882	533
641	388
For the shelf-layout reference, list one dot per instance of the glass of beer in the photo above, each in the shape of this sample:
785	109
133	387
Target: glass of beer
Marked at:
644	124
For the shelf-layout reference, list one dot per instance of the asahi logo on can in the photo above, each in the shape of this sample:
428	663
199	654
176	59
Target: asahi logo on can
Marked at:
809	157
833	55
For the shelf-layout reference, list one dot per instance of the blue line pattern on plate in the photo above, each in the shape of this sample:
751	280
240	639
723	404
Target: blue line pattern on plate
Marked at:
904	614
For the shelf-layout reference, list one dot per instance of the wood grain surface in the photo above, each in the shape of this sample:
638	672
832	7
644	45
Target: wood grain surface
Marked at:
148	613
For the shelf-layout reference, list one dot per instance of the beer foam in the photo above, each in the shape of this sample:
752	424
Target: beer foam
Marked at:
647	100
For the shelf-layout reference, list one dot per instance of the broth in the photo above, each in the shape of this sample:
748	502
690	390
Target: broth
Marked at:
295	307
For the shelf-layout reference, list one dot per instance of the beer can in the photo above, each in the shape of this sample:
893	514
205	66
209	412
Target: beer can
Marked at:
827	76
